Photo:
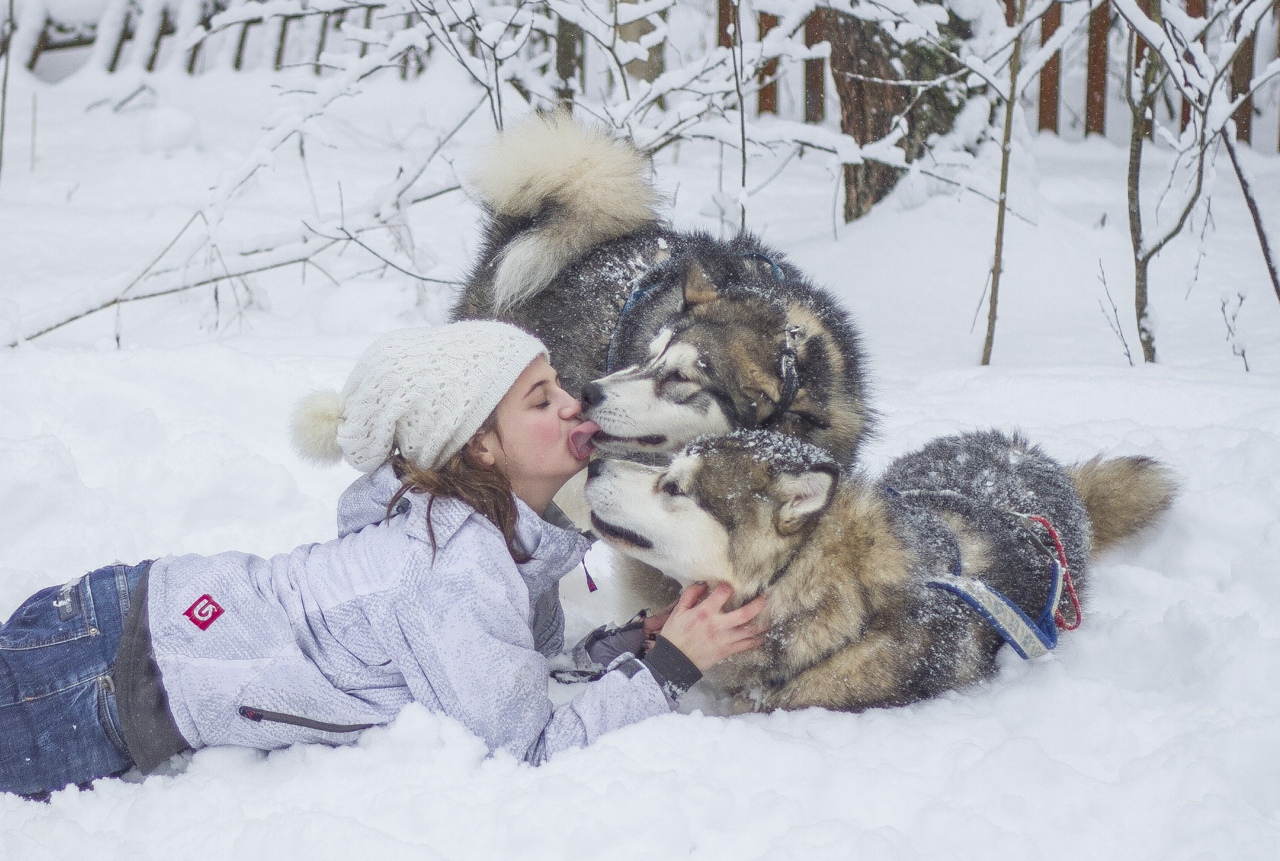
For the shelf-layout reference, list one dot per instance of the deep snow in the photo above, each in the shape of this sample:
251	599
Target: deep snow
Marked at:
1152	732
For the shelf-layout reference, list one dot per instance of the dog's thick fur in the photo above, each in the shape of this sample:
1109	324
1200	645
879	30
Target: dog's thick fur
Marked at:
572	233
844	562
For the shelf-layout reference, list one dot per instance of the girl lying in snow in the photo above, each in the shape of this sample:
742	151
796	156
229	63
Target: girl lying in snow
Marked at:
442	588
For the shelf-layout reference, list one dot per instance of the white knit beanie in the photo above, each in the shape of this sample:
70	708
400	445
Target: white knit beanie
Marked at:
424	391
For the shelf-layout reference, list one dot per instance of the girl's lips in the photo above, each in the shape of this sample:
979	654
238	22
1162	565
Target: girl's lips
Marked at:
580	439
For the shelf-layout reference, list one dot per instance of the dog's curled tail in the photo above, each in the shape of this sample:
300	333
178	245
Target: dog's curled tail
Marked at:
578	185
1123	495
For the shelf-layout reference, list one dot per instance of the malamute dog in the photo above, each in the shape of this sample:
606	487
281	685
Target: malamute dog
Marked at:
867	583
692	335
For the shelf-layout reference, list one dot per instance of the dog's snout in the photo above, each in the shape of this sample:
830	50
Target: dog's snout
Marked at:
592	395
595	468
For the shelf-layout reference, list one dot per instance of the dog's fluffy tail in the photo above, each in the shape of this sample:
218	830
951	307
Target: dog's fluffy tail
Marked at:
579	186
1123	495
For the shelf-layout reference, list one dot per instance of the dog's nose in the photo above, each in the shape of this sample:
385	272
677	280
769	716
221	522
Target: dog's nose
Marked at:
592	394
595	468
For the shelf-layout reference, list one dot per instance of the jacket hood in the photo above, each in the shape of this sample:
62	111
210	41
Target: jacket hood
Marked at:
556	547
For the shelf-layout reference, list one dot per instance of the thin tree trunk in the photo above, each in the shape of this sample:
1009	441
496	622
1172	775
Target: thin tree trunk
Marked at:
1011	103
1141	257
1139	110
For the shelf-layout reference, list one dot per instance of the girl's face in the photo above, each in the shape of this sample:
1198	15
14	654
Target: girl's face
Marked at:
538	440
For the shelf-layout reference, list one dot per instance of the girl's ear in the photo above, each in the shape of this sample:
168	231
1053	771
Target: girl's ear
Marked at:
484	448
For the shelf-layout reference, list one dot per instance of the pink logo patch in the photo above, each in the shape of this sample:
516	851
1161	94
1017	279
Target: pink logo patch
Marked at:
203	612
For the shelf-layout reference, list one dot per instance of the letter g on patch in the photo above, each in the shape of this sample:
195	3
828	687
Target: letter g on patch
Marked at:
203	612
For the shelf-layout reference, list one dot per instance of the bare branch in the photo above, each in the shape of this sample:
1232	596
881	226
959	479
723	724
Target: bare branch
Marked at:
1252	203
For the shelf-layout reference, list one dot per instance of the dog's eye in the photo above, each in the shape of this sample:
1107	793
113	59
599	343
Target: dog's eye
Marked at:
670	488
676	377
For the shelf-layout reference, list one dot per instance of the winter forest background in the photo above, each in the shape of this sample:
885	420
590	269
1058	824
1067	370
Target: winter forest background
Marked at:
1062	217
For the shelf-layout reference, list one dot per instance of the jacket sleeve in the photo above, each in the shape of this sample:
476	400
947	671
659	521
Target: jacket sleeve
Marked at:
468	651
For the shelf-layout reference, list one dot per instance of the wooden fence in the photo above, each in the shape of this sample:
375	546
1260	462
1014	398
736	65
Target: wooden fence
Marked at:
1101	22
319	26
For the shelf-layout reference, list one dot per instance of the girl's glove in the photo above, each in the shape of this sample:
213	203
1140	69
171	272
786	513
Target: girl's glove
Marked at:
588	660
600	649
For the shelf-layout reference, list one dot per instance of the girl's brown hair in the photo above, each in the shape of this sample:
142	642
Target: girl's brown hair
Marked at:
484	488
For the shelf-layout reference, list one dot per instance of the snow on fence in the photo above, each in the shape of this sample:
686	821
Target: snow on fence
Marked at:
289	32
140	33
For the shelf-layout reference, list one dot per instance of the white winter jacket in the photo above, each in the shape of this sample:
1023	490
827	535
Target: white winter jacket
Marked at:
317	644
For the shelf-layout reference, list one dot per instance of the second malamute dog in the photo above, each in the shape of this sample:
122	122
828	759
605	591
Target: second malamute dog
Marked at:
691	334
871	587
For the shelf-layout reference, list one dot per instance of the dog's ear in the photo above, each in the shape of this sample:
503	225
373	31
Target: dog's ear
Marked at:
801	497
698	288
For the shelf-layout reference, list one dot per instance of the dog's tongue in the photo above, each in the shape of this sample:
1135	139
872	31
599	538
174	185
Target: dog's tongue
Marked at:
580	440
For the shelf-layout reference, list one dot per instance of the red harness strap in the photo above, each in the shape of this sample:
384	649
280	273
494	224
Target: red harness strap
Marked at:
1066	577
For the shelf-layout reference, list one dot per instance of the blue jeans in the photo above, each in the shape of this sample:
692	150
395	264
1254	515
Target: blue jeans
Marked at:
58	719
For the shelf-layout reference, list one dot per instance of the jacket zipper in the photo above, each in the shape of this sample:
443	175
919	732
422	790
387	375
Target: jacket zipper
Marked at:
258	715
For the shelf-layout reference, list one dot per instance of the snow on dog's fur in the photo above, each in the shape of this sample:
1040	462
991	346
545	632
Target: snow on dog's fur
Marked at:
716	334
571	238
845	563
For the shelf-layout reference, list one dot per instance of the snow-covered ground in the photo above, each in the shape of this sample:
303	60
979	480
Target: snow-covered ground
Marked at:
1152	732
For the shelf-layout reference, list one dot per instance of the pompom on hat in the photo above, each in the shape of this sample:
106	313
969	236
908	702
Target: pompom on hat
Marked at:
423	391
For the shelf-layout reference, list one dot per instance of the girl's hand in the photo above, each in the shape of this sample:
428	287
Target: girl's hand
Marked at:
700	627
653	624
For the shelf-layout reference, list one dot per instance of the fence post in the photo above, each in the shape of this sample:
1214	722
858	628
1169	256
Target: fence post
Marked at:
119	49
193	55
284	34
238	62
767	98
368	25
815	82
1050	74
160	34
569	49
1095	99
40	45
324	34
1195	9
1140	46
724	23
1241	75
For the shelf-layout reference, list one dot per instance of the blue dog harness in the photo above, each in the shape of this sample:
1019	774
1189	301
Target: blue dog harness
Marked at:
1029	638
611	356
